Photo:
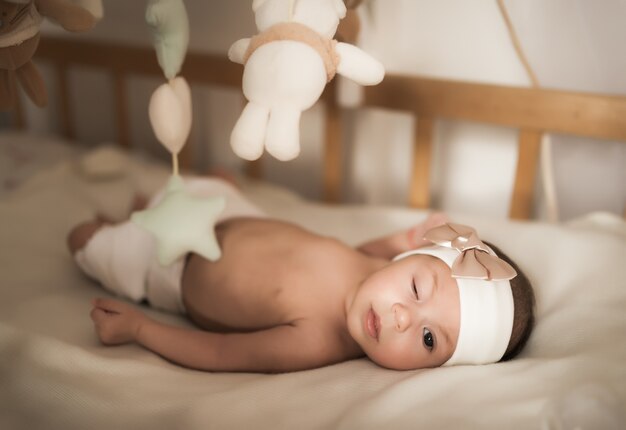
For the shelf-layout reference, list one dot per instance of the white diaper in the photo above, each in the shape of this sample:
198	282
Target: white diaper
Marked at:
123	257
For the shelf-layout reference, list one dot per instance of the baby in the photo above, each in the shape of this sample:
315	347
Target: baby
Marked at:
282	298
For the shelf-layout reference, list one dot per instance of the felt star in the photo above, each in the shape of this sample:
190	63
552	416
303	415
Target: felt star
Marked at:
182	223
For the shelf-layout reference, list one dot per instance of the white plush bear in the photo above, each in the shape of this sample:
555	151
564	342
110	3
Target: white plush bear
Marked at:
287	66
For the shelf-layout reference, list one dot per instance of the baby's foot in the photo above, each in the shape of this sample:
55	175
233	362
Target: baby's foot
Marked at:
225	175
415	235
140	202
82	233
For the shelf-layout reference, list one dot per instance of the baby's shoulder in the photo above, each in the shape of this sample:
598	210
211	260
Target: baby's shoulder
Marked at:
328	343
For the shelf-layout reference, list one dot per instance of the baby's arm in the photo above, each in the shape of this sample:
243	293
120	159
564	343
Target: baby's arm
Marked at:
278	349
390	246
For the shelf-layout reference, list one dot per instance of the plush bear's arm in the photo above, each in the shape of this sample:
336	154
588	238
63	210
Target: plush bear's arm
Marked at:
238	50
359	66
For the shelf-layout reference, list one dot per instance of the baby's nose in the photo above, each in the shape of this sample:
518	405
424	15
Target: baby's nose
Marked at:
402	317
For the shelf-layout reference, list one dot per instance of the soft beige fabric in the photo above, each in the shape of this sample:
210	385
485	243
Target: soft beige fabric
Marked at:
298	33
55	375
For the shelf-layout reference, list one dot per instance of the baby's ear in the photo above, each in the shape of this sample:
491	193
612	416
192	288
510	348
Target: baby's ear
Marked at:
340	8
257	4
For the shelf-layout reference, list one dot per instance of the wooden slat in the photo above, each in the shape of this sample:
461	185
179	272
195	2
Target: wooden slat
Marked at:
419	193
209	69
122	119
65	106
254	169
333	156
528	156
583	114
200	68
18	118
122	61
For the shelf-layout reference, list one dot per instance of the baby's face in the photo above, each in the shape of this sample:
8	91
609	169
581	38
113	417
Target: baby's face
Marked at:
406	315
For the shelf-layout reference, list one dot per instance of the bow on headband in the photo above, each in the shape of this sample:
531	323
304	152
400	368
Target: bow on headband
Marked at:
475	260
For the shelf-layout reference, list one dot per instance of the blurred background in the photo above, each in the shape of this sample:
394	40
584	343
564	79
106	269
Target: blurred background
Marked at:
570	44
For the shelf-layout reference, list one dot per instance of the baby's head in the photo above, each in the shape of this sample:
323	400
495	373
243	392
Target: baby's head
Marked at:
450	303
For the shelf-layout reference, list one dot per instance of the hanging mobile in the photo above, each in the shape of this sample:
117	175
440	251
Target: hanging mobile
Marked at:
180	222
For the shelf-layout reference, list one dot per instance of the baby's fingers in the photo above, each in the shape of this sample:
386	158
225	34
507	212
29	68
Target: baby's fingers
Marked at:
98	315
436	219
109	305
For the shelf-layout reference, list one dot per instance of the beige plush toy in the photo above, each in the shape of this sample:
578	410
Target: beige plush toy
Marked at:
287	66
19	37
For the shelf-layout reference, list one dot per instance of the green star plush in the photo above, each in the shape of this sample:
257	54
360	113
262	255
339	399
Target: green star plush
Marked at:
182	223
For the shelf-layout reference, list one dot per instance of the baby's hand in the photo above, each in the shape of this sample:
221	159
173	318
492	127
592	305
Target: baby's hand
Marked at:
116	322
415	235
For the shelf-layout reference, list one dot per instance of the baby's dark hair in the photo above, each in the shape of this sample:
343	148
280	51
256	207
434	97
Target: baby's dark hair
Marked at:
524	305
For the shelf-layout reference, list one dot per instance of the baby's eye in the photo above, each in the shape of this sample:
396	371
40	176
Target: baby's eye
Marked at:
414	287
429	340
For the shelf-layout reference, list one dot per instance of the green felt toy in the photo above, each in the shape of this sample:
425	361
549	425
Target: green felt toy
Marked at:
180	222
170	27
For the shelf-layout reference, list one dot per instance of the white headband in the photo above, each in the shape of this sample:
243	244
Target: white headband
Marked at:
486	312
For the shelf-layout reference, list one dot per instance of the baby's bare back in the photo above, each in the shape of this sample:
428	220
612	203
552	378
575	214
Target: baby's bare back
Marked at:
270	273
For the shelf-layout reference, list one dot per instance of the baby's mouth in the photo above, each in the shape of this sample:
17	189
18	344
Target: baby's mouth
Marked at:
372	324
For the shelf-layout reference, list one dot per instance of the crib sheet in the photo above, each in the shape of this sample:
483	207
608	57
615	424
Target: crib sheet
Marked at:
24	154
55	375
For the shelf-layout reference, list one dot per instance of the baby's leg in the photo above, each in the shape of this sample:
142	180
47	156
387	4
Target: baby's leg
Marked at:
118	255
402	241
224	174
80	235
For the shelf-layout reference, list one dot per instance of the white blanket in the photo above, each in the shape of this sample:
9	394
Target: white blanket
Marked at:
55	375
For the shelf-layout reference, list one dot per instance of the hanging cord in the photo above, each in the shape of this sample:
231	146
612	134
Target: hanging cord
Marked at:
547	165
175	163
291	6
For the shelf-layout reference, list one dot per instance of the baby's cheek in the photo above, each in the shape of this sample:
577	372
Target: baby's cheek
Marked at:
397	355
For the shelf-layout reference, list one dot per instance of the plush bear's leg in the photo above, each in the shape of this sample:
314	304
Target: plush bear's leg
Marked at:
33	84
248	134
283	133
71	16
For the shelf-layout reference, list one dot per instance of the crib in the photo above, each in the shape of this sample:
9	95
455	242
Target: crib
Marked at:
55	374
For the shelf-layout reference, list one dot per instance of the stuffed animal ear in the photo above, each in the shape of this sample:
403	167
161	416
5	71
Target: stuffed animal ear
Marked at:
257	4
340	8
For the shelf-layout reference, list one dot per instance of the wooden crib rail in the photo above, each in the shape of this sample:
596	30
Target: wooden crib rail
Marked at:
122	61
532	111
